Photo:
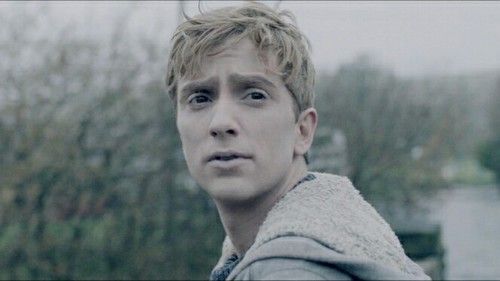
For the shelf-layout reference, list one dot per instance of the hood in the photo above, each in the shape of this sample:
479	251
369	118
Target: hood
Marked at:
331	211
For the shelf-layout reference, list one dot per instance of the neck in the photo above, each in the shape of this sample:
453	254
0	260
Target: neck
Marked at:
242	222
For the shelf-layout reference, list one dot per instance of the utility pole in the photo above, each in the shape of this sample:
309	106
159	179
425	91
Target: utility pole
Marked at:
181	8
277	4
180	11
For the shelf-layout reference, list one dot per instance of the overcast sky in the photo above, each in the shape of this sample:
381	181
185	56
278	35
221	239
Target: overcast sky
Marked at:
413	38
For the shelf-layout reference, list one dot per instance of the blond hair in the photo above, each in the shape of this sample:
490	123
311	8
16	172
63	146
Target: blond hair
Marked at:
266	28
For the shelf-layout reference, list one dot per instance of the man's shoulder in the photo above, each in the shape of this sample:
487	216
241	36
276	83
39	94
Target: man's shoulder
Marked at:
291	258
290	269
321	227
295	257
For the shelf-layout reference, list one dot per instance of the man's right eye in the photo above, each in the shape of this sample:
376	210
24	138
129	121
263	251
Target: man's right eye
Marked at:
199	99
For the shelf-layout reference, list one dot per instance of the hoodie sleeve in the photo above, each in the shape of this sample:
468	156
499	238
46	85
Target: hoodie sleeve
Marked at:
290	269
305	258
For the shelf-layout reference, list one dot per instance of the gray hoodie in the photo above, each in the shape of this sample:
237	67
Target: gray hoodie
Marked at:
323	229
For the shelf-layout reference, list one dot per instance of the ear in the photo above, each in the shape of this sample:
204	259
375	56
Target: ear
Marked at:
305	128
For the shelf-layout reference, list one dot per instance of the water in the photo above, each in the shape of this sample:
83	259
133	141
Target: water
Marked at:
470	219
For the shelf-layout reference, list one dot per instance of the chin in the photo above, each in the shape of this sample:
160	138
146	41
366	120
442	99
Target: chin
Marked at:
231	191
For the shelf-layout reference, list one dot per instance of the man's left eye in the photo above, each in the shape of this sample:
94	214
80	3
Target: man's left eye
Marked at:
255	95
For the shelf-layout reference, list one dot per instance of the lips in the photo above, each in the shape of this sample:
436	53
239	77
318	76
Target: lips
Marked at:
227	156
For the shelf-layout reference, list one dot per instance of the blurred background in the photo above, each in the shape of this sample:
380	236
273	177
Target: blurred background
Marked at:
93	184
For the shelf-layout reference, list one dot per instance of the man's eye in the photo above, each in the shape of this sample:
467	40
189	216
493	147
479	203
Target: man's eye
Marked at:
198	99
255	95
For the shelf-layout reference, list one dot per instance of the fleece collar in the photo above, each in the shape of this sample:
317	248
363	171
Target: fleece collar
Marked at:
331	211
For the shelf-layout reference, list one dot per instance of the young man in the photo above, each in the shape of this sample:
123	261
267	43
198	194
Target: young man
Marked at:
242	82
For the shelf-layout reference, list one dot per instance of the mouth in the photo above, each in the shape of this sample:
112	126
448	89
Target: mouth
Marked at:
227	156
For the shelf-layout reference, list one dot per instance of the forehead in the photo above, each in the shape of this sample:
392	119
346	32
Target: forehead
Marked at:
241	57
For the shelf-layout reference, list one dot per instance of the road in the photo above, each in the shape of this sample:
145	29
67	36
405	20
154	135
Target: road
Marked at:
470	218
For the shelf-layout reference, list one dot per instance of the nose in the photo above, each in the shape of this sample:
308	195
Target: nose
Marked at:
223	123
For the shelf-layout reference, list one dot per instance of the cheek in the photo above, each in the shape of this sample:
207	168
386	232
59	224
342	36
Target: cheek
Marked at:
278	138
189	135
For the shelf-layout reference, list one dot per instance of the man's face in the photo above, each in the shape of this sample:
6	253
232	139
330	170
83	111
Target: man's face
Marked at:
237	125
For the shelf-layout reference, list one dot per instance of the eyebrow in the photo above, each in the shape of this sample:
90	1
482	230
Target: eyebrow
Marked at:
250	80
196	85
